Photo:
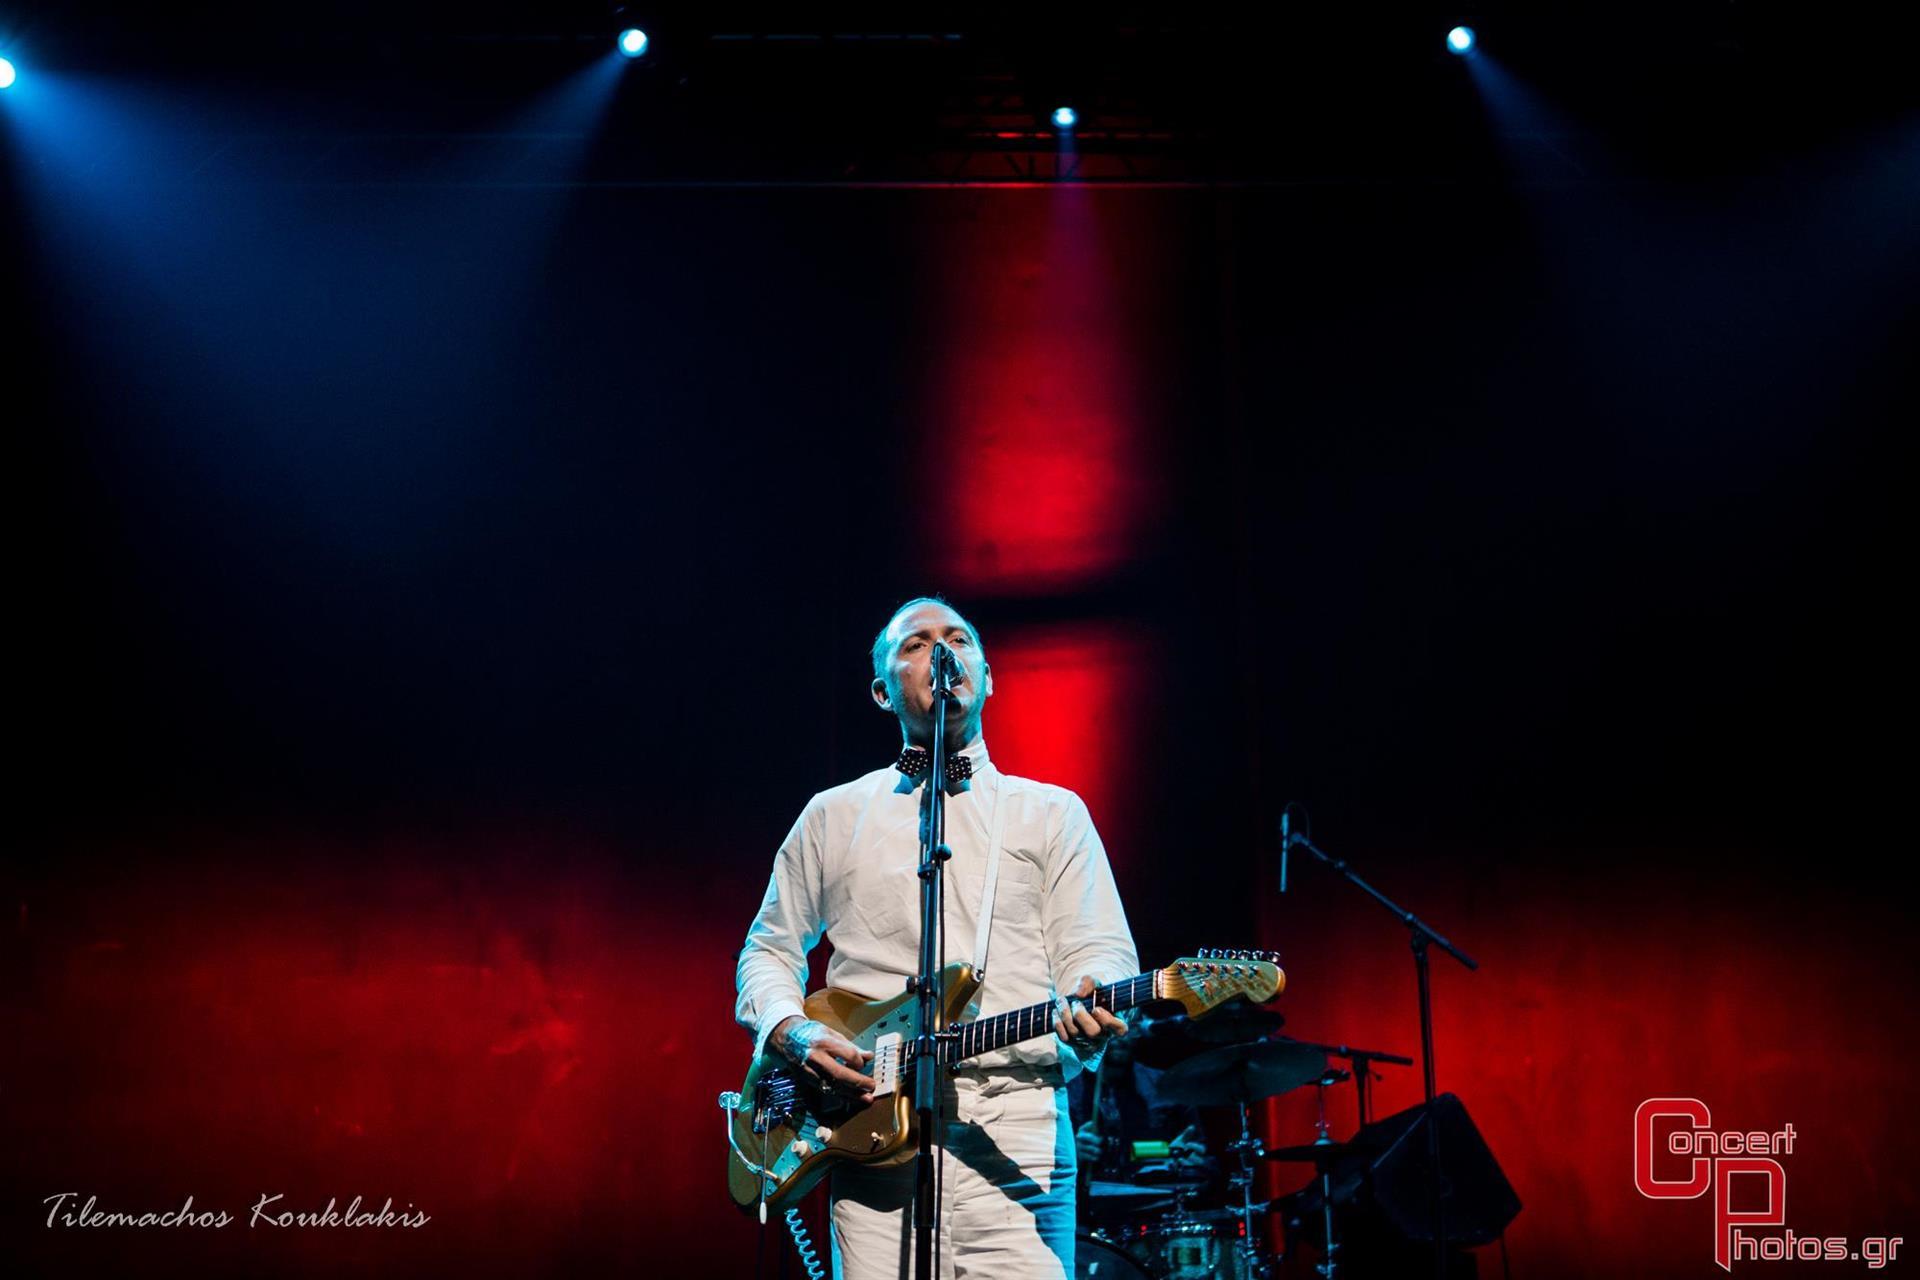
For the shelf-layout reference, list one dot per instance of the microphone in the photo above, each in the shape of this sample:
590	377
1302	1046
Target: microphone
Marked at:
946	668
1288	836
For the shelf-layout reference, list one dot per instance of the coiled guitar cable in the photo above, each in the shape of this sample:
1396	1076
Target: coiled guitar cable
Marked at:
803	1245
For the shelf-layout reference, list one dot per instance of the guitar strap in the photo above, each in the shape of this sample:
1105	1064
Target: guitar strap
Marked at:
996	833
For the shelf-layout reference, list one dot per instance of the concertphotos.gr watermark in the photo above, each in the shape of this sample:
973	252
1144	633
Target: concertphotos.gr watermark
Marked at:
67	1209
1716	1160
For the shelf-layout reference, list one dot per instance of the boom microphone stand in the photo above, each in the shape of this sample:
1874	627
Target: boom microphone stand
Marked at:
934	854
1421	936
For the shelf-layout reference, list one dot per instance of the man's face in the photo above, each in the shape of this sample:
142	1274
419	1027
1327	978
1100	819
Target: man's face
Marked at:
907	689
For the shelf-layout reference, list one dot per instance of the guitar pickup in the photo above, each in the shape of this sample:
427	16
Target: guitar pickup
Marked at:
886	1064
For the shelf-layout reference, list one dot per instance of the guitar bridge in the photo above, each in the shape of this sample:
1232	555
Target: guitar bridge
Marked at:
775	1098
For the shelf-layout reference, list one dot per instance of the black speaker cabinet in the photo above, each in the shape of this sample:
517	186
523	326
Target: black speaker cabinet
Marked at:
1383	1189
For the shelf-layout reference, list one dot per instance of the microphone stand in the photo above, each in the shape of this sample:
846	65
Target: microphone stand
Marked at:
1422	936
934	854
1362	1060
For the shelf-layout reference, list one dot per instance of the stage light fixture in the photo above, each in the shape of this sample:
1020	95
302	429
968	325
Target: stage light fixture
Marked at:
1064	118
7	74
633	42
1460	40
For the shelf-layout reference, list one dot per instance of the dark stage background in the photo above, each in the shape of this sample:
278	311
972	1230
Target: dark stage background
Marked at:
434	601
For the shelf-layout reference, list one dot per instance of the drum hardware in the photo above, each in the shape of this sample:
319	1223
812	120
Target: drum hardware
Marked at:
1187	1244
1324	1164
1247	1148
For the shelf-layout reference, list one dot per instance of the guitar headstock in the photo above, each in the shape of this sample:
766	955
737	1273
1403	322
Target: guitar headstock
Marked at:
1206	981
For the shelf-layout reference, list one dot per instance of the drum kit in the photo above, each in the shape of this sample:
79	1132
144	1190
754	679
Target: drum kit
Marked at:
1435	1195
1151	1228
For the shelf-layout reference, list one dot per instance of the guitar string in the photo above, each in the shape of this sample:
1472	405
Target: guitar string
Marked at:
984	1035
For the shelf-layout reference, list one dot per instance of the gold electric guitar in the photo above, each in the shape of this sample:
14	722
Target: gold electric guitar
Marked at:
785	1131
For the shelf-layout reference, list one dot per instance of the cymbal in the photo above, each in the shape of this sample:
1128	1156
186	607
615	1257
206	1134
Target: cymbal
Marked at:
1230	1213
1167	1175
1308	1153
1242	1073
1124	1195
1165	1042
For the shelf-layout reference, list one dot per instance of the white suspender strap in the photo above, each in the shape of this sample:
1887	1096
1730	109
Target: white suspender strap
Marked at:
996	832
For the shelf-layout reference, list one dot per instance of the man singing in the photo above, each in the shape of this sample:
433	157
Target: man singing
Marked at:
849	868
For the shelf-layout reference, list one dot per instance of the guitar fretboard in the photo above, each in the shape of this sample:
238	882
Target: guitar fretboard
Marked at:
974	1038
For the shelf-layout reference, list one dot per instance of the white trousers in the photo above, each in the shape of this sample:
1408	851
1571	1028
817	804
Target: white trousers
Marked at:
1007	1197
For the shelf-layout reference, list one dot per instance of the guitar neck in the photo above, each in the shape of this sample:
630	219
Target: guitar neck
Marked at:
971	1039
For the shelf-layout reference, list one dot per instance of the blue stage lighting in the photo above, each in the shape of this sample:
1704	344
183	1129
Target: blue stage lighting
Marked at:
1064	118
7	74
633	42
1460	39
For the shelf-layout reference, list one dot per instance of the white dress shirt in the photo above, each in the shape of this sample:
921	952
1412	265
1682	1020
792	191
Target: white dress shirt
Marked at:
848	869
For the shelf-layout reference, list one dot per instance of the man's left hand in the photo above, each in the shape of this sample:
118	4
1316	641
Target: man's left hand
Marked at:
1080	1024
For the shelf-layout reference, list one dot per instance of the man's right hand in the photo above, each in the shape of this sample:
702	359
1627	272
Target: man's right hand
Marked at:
824	1054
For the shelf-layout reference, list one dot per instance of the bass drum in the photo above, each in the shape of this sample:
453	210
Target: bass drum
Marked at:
1097	1259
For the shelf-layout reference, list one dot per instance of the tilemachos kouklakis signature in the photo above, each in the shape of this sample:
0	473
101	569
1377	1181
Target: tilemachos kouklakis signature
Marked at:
66	1209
